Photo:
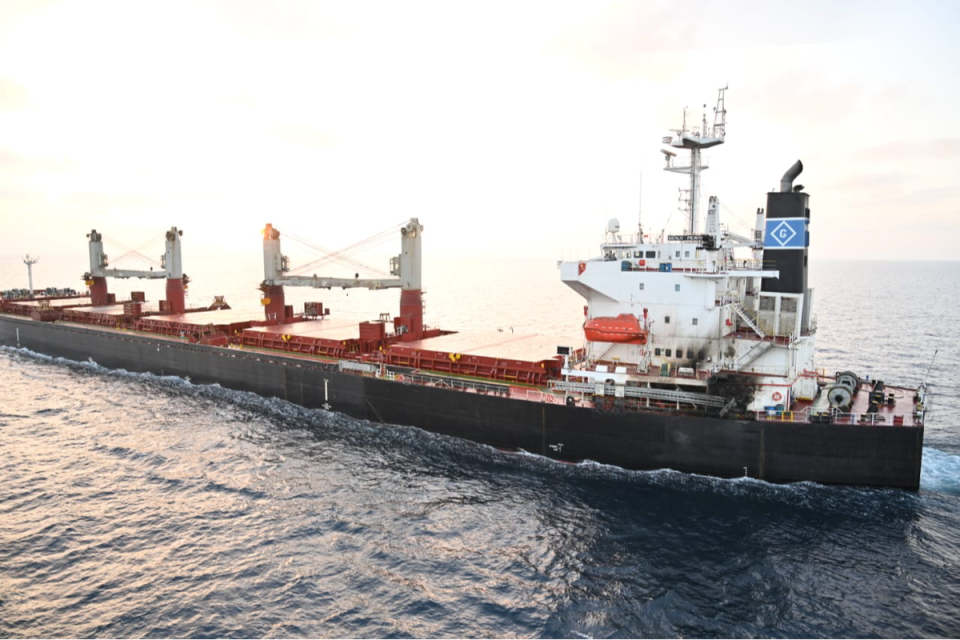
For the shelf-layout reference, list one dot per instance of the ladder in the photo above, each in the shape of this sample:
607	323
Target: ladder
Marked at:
747	319
755	352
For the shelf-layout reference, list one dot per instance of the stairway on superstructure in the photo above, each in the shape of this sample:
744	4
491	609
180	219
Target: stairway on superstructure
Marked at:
755	352
747	319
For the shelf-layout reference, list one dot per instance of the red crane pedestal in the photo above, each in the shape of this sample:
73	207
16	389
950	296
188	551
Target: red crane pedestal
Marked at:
274	303
175	297
411	313
99	297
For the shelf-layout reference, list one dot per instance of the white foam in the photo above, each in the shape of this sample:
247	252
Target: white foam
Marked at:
940	472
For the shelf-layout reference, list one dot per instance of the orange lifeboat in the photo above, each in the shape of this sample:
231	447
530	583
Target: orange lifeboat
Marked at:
624	329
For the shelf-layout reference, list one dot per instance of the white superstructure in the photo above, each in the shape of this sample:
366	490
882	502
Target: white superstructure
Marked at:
688	314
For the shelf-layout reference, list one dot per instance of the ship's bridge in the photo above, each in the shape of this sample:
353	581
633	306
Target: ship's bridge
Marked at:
685	255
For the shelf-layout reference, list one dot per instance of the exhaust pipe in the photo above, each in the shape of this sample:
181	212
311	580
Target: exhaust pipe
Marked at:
786	182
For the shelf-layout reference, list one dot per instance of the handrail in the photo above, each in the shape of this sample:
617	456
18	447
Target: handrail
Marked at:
838	417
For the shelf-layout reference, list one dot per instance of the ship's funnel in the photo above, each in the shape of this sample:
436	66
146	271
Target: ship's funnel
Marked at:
786	241
786	182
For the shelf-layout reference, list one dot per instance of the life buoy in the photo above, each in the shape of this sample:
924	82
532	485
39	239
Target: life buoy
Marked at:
643	263
399	377
777	396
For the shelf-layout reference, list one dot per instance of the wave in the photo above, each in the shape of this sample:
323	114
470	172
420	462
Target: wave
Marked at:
940	471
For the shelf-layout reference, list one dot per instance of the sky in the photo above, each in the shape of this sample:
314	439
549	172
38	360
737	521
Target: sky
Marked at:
507	128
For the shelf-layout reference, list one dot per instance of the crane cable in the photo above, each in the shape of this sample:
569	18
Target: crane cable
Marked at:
367	243
133	251
331	257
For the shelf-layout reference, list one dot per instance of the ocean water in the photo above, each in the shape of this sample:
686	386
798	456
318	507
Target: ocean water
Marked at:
138	505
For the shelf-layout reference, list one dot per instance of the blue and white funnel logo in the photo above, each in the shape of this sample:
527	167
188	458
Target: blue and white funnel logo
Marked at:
786	233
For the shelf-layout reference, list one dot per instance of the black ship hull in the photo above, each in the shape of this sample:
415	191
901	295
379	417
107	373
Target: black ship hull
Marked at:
776	452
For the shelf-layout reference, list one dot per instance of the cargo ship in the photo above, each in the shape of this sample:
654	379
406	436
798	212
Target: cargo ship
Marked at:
697	352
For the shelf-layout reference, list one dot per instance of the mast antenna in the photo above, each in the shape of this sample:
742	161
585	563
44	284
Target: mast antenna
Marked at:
694	141
640	211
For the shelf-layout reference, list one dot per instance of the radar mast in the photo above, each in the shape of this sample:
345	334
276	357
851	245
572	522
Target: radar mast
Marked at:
694	140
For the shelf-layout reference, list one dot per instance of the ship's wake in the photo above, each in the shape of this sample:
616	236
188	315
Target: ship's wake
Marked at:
940	471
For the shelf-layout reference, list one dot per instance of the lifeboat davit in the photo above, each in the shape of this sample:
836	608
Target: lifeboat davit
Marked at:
624	329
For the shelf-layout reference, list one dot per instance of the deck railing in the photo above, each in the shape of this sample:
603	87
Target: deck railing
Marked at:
839	417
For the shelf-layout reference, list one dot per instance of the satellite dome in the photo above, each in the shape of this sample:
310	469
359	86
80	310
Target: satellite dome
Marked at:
613	226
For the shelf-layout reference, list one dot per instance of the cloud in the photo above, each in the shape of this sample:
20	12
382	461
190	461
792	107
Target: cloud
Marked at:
307	136
908	150
628	28
798	95
278	22
109	201
868	182
19	196
892	192
926	197
11	160
13	96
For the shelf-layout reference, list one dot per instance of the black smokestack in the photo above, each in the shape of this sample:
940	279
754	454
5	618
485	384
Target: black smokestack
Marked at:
786	240
786	182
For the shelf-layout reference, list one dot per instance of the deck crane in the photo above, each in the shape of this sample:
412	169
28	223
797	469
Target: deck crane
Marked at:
405	266
170	262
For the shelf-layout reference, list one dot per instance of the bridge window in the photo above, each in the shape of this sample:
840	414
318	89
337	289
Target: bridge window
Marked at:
678	254
695	321
676	287
666	320
686	254
667	352
656	351
689	354
651	254
641	286
680	352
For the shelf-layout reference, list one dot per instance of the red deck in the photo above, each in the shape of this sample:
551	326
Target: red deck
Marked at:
326	328
325	337
56	302
526	359
529	347
110	314
202	318
207	327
